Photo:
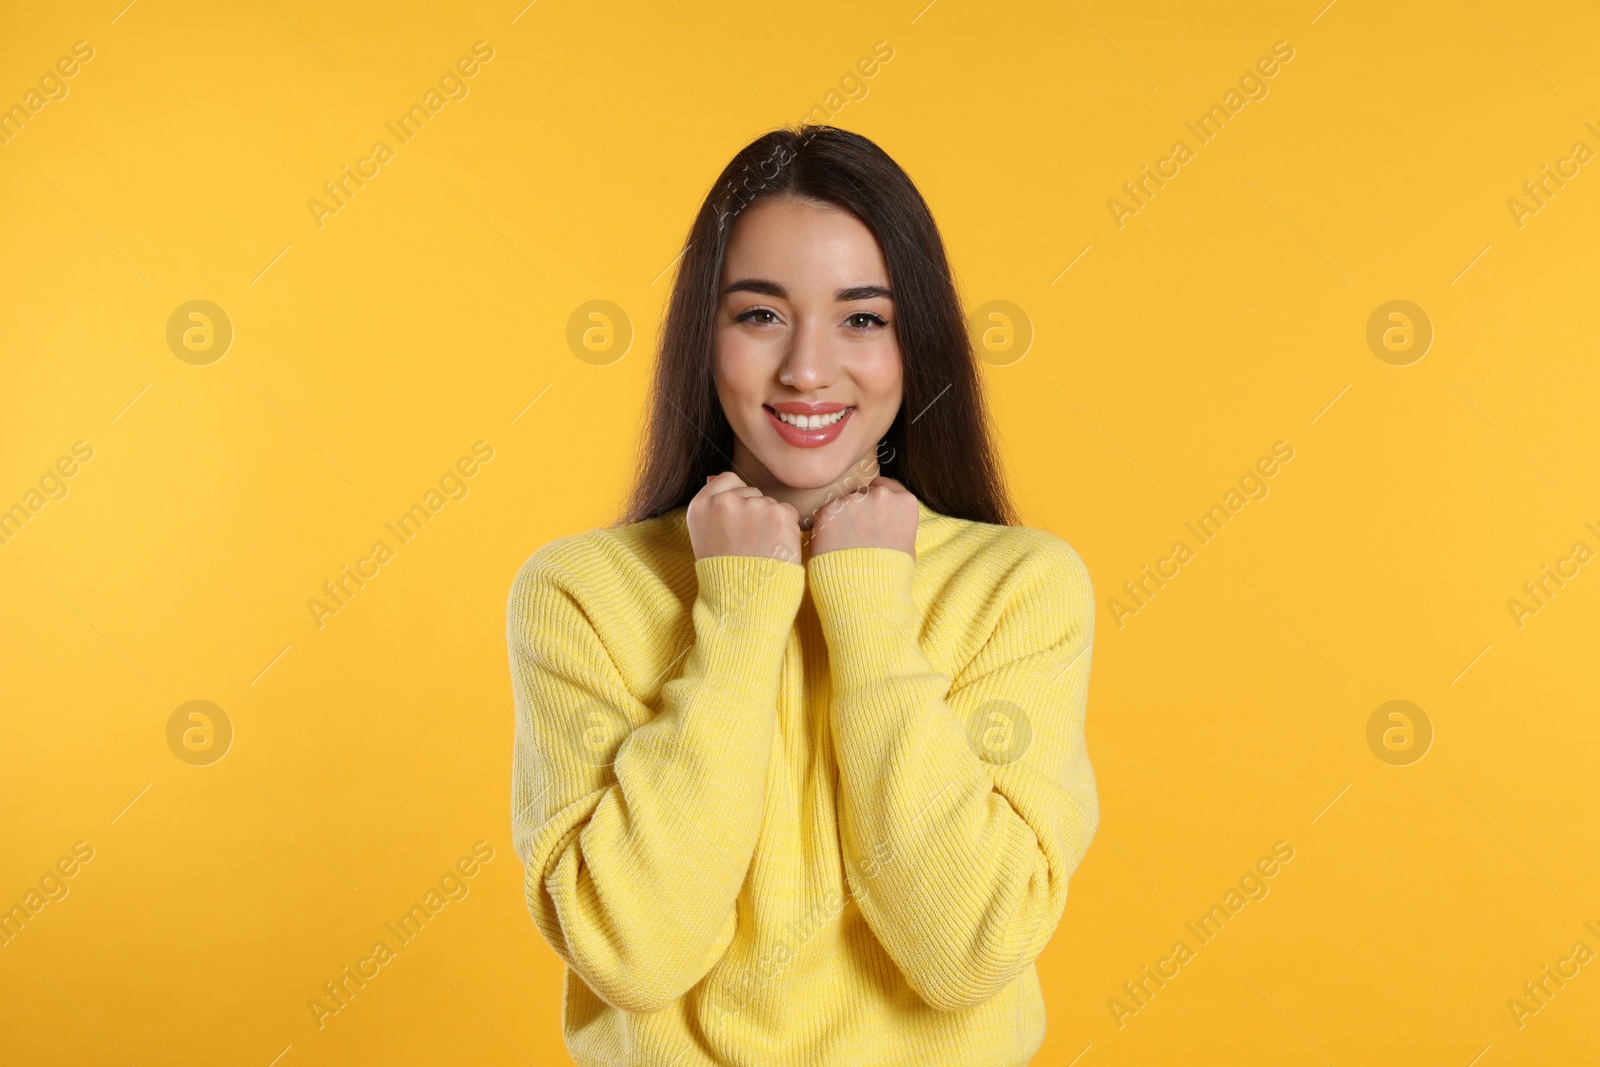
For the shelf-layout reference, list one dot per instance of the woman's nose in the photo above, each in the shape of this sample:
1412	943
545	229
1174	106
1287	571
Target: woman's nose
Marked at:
808	365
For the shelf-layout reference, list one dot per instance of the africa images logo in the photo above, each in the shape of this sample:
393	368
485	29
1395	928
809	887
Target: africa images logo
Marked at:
339	191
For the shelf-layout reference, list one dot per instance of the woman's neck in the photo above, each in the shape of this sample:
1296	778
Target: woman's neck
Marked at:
804	500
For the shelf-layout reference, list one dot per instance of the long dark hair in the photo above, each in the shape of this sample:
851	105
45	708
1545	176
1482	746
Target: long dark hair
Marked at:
942	451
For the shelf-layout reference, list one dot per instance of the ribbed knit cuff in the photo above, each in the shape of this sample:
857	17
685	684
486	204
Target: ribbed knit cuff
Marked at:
863	601
743	615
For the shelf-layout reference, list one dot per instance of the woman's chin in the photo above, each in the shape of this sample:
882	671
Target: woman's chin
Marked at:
813	474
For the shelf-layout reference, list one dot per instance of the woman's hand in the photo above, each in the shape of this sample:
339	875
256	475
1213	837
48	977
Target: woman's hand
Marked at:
730	518
883	514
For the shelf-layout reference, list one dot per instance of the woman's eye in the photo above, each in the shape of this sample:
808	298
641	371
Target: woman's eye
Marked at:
755	315
864	320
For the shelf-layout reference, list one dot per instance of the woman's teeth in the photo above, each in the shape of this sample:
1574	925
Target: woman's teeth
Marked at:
813	422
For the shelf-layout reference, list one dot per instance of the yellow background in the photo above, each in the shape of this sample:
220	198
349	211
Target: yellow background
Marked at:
430	311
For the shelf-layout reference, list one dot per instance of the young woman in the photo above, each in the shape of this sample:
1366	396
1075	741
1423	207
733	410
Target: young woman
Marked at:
800	772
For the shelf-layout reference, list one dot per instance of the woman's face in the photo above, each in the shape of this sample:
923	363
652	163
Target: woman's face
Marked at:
805	332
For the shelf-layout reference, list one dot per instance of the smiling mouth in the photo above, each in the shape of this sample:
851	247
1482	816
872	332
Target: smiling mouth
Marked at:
808	431
811	422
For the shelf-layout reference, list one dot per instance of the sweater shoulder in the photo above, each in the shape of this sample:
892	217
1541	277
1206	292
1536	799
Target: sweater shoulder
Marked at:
981	551
992	590
610	564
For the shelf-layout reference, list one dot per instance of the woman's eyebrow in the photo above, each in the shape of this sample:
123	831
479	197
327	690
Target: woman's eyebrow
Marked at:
863	292
766	288
757	285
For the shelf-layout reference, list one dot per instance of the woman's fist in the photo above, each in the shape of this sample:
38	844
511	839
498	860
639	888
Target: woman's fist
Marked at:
730	518
884	514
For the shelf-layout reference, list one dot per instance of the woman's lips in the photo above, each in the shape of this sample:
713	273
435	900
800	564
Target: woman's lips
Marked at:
794	435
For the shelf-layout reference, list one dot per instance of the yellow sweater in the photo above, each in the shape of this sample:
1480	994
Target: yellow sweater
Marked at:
775	813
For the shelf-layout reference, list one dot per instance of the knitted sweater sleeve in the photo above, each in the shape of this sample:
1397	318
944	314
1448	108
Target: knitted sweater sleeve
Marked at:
637	823
967	799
